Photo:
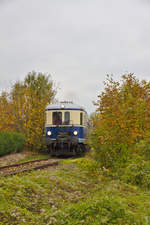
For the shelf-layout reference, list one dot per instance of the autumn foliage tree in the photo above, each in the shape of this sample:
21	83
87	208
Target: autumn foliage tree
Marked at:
5	109
26	106
122	120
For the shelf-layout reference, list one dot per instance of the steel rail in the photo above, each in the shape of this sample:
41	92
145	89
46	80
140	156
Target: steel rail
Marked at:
13	169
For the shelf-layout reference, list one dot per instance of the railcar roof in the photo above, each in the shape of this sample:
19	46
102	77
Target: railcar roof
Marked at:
67	105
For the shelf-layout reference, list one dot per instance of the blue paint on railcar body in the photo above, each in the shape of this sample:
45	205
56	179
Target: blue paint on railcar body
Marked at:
68	129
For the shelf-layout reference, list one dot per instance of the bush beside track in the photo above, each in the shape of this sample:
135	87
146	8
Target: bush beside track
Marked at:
11	142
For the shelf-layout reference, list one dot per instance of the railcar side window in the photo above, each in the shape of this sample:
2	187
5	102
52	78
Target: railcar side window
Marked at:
67	118
81	118
57	118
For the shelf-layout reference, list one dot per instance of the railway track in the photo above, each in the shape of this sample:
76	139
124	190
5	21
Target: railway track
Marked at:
27	166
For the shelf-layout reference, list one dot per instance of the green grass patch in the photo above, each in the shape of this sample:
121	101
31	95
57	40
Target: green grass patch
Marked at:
67	195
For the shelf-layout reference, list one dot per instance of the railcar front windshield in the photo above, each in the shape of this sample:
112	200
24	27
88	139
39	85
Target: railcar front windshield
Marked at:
67	118
57	118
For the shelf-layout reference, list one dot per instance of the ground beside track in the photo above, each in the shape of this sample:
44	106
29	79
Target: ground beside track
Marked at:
21	157
69	194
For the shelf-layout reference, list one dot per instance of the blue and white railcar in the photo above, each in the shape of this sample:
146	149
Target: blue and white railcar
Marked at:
66	128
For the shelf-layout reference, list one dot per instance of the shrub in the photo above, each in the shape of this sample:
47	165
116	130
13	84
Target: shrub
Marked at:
143	147
11	142
122	121
136	173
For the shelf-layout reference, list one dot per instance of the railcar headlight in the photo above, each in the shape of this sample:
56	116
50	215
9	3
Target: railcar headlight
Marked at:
62	106
75	132
49	133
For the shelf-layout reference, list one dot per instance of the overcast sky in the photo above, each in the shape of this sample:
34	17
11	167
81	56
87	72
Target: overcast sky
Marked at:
78	42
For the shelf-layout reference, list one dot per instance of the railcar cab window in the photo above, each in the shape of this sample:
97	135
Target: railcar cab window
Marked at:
57	118
81	118
67	118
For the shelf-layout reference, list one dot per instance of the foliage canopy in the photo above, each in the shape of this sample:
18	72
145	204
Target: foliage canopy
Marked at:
23	108
122	120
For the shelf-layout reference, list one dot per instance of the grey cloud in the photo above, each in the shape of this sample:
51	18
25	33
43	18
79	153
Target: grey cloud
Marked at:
78	42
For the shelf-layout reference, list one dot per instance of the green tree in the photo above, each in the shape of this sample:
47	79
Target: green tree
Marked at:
6	122
29	99
122	120
23	108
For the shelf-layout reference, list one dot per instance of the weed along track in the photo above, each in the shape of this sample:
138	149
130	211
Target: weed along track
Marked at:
27	166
